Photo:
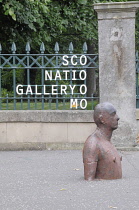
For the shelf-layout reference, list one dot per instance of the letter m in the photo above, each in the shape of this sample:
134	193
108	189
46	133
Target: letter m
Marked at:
73	103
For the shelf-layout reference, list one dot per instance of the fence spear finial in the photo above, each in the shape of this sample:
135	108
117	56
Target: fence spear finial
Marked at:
71	47
27	47
85	47
56	49
42	48
13	47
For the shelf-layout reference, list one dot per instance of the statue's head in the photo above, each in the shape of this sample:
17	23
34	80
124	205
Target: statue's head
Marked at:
105	115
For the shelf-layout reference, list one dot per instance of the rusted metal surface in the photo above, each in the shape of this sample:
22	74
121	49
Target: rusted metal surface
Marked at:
100	157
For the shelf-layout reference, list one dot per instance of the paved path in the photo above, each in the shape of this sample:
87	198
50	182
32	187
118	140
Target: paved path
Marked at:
53	180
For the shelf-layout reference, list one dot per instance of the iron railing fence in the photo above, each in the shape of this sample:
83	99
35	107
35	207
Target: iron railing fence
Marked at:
46	81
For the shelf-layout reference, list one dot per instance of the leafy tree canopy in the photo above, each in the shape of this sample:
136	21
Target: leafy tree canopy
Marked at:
49	21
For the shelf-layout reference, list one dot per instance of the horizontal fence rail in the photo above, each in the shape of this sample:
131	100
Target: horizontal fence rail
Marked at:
46	81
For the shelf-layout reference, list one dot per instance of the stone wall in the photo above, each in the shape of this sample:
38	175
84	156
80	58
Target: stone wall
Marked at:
44	129
47	129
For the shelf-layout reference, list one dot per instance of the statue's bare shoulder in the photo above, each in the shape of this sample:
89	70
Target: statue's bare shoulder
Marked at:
91	148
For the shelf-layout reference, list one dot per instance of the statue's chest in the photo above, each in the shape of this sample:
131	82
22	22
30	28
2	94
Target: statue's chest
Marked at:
108	152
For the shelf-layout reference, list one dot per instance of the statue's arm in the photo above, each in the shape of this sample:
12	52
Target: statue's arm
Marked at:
90	170
90	158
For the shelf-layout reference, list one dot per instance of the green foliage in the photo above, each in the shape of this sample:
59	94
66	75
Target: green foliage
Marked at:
48	21
20	20
7	78
73	21
5	94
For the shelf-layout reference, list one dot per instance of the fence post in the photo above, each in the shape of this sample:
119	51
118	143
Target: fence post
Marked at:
117	78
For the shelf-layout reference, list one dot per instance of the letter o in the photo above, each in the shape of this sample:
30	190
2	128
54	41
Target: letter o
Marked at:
85	104
85	61
82	78
85	89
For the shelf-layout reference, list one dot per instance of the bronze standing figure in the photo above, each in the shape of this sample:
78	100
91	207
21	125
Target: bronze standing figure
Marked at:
101	159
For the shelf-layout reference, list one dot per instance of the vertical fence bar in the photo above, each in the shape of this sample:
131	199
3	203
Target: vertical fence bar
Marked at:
14	87
14	74
42	49
50	100
64	107
42	72
70	84
28	72
57	95
6	101
57	83
21	102
71	52
28	82
35	102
